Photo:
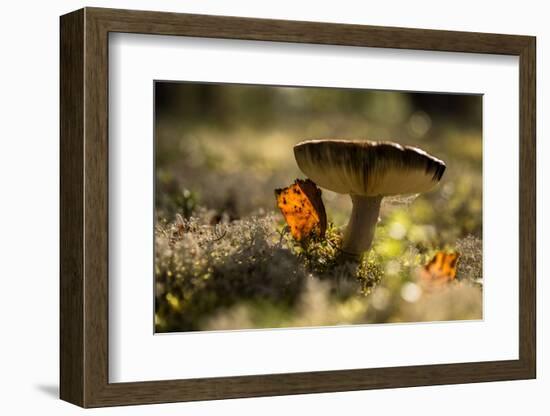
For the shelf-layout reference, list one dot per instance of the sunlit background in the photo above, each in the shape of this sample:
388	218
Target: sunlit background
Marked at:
221	150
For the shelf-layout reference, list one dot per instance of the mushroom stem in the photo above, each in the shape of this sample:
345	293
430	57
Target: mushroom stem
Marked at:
360	230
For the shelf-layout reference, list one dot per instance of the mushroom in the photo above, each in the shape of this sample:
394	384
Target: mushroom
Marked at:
367	171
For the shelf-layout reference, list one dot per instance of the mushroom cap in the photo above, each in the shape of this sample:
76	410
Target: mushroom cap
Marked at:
368	168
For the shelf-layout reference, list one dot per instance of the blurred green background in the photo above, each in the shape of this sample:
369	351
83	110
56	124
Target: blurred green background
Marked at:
222	149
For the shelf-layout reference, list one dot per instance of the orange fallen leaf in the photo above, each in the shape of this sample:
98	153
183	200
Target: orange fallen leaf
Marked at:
303	209
440	269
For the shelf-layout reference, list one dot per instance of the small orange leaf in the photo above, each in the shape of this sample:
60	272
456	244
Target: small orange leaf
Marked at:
440	269
303	209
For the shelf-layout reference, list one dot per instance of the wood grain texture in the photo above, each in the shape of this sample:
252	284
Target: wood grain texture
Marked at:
162	23
528	208
84	207
71	100
96	218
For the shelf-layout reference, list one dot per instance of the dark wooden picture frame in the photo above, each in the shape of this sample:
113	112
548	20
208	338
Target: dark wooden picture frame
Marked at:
84	207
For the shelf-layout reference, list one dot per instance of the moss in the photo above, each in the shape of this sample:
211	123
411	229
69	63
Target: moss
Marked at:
251	273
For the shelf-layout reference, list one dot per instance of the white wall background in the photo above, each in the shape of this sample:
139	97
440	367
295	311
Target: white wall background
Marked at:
29	159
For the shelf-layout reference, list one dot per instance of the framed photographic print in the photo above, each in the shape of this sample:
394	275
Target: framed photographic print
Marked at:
255	207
